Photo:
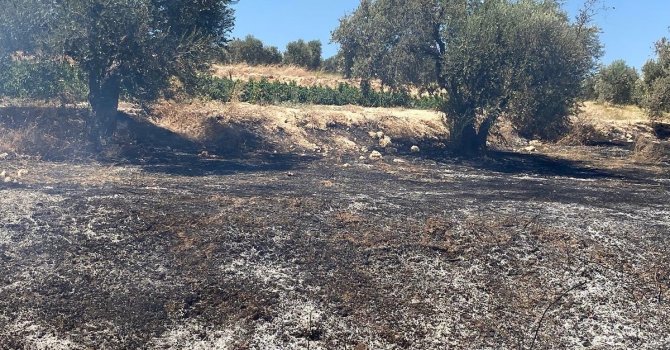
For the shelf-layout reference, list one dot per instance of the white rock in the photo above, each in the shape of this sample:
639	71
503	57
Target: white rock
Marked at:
364	149
375	155
535	143
3	174
21	173
380	134
4	155
372	134
415	149
385	142
399	161
530	149
8	179
361	157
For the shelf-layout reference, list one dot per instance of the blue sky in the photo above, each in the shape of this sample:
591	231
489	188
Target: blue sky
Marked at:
630	27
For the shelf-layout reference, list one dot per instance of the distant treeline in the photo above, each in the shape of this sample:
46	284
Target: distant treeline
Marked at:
618	83
252	51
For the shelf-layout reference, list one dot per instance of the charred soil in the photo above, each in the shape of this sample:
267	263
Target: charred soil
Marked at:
269	251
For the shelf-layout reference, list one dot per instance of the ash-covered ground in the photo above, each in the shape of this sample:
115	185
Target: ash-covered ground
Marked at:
288	252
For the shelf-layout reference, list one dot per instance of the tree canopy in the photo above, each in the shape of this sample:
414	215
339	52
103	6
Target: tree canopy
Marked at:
252	51
656	75
130	46
304	54
523	59
616	83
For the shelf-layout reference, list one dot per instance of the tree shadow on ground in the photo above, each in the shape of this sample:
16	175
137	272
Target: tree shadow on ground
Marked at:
59	134
192	165
235	150
509	162
517	163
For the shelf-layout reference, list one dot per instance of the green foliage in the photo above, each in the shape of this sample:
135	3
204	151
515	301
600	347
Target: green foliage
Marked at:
252	51
523	59
656	80
398	43
658	98
616	83
42	80
589	88
135	46
302	54
333	65
266	92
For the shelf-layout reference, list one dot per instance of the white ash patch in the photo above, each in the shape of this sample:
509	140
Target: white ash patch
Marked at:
36	337
196	336
17	208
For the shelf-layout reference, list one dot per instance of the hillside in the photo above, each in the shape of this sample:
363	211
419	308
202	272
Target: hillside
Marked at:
284	74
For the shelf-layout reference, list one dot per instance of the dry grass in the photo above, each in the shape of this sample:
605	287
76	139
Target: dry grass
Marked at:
284	74
42	130
650	150
583	132
600	123
614	114
326	129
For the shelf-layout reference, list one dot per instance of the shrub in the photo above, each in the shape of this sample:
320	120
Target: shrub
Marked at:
42	80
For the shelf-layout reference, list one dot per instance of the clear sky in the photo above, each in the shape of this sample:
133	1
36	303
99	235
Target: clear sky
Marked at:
630	27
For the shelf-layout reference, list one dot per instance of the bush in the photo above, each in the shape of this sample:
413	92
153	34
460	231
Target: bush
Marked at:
616	83
42	80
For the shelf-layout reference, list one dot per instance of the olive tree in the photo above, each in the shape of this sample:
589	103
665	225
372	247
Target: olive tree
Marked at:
615	83
523	59
656	80
130	46
252	51
303	54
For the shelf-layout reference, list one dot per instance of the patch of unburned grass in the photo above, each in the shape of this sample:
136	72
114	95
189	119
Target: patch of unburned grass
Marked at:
284	74
607	113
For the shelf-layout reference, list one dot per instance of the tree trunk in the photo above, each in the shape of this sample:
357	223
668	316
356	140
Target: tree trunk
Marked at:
468	141
104	99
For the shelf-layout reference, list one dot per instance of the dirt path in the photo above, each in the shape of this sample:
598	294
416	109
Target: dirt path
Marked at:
275	252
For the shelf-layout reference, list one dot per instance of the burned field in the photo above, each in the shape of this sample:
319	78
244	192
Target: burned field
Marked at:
273	251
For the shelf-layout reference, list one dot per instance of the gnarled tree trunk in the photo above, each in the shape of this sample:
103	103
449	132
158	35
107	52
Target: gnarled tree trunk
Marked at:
104	92
466	140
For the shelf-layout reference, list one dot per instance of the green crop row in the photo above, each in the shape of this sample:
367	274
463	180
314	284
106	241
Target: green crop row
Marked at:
271	92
